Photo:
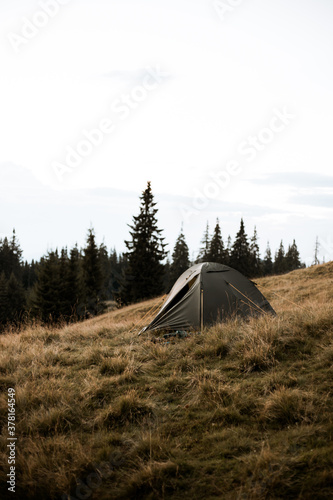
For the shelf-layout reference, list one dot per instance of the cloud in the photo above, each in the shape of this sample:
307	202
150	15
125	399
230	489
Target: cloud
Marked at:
130	76
221	208
137	76
14	176
108	192
313	199
296	179
126	75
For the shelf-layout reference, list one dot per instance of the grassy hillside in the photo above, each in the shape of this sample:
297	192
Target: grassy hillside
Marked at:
240	411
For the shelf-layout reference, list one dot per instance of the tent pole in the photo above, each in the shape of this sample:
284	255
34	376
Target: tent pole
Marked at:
201	308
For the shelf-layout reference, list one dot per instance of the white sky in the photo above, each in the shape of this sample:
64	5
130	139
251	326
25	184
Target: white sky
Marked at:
225	79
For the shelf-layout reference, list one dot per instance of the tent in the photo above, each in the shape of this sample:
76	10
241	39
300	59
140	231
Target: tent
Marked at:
208	293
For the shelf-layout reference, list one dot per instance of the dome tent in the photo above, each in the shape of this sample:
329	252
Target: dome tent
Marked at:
207	293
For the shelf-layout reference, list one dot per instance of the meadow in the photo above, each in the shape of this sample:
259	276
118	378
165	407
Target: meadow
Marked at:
242	410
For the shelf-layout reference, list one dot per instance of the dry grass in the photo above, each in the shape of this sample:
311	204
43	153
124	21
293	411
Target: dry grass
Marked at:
240	411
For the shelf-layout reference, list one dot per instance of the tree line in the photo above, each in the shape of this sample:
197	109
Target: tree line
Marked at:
65	285
75	284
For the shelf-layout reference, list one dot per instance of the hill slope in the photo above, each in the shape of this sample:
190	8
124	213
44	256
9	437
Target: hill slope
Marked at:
240	411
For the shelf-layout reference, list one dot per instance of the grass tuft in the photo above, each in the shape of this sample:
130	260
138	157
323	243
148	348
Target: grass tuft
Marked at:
113	366
288	406
127	409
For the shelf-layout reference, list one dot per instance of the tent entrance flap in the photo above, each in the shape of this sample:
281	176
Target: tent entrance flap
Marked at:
182	313
182	292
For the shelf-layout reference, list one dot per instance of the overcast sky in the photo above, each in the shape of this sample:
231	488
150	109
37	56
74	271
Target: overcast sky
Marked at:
226	109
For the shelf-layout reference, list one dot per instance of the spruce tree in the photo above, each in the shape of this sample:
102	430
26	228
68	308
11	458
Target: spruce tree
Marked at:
204	249
292	258
29	274
10	257
54	294
146	250
115	276
73	282
12	295
256	270
106	271
69	284
240	253
16	256
5	257
217	252
16	299
228	250
63	306
268	262
167	281
4	302
92	277
48	289
180	258
118	264
280	265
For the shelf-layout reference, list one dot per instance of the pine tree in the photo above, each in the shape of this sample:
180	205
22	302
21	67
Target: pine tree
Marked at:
240	254
228	250
73	280
146	251
204	250
55	293
63	305
256	270
5	257
118	264
280	266
29	274
217	252
16	256
4	302
68	287
106	271
268	262
292	258
10	257
48	289
180	259
16	299
167	281
12	295
92	277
